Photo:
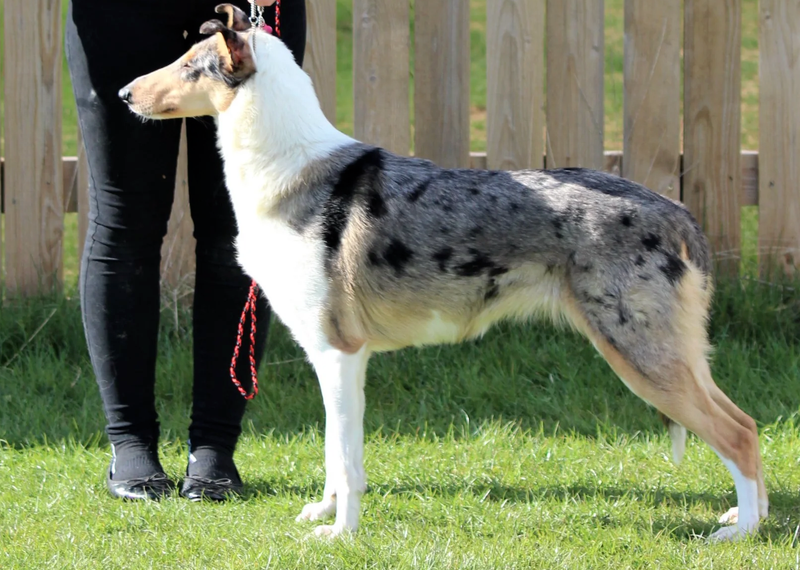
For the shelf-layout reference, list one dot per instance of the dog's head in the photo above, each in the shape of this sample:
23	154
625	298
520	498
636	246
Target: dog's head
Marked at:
204	81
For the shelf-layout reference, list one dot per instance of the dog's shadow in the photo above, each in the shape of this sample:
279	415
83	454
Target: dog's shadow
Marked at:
681	527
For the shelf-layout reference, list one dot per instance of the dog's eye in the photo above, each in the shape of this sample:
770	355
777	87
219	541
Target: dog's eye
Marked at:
186	65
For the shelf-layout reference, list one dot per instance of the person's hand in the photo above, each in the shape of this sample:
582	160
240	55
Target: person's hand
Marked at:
263	2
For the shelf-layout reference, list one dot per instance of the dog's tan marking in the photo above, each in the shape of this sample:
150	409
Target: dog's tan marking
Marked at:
224	52
684	251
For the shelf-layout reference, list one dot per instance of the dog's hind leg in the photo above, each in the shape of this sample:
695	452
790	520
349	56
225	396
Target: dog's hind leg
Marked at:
341	377
747	422
677	386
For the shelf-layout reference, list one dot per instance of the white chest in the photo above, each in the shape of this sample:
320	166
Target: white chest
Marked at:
289	269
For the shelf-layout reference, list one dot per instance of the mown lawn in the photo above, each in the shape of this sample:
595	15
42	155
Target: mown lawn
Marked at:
521	450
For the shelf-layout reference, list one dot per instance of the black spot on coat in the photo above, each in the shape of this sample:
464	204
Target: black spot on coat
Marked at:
397	255
673	269
421	188
477	265
442	257
375	204
651	242
362	170
492	291
373	258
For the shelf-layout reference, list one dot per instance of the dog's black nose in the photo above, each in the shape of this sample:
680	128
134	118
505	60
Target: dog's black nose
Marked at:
125	95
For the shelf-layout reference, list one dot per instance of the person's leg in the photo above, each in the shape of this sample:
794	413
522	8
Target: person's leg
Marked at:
293	26
221	289
132	174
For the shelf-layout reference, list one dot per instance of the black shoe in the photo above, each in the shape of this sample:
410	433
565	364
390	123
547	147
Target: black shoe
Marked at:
199	488
154	487
211	474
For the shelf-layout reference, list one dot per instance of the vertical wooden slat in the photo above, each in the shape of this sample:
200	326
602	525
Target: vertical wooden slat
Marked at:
380	73
177	252
651	147
320	56
33	178
575	83
712	107
779	145
515	85
441	81
82	190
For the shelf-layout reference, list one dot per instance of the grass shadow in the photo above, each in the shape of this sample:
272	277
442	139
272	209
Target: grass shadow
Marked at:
680	527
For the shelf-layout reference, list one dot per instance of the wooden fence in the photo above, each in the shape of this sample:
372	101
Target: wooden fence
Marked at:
527	126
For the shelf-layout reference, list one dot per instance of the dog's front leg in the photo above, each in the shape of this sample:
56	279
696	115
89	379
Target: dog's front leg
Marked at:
341	377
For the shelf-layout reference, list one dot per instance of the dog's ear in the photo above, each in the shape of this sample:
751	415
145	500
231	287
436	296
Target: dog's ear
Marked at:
232	48
212	27
237	19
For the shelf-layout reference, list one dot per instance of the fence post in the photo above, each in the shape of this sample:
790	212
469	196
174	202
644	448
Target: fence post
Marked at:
34	185
575	65
779	145
651	139
515	84
441	81
380	73
712	117
320	56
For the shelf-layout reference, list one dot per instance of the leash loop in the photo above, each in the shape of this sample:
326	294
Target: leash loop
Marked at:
249	309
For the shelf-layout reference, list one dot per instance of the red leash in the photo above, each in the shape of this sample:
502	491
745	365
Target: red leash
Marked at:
250	307
252	298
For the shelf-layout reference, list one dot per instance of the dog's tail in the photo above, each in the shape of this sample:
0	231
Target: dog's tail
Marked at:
677	433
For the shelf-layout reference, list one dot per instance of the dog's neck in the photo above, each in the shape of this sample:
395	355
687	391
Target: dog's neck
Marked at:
273	131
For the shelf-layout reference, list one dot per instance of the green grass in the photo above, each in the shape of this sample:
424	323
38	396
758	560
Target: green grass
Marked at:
519	450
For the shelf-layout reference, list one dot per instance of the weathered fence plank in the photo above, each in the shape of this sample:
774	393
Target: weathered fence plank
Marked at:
779	145
178	249
441	75
575	83
651	139
320	56
712	101
515	84
381	73
34	200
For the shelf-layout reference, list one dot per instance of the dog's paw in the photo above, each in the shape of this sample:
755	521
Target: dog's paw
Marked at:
331	531
317	511
730	534
763	508
731	517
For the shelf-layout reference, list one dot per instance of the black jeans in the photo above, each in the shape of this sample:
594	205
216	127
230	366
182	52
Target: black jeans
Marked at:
132	168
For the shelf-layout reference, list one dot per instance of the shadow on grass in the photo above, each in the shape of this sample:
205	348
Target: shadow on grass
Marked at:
682	527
